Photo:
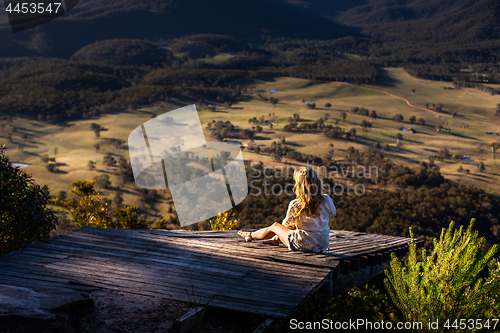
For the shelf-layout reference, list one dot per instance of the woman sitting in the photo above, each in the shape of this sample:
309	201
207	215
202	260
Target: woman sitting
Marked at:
305	227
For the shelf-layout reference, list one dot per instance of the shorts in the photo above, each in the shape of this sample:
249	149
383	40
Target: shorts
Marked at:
294	246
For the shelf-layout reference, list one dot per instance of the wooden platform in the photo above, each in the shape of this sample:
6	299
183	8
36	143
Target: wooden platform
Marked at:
218	268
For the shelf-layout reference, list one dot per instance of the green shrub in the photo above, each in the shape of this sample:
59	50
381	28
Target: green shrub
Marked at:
447	284
127	218
24	217
223	221
90	209
455	156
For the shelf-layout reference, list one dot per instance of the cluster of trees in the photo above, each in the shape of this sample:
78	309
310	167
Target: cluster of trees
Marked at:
336	132
295	126
385	171
222	129
478	86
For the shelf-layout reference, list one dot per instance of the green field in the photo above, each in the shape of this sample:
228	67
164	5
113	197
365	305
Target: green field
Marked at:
72	143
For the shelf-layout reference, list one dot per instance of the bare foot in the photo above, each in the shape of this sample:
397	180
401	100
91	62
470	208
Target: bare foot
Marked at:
246	234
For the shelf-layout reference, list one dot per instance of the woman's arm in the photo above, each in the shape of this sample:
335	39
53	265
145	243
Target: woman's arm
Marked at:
290	219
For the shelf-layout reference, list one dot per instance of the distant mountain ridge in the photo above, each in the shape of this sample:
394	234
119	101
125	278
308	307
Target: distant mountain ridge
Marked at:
95	20
390	32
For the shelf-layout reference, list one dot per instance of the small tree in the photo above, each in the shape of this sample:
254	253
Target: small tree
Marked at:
421	121
224	221
447	284
413	119
89	208
24	216
109	161
51	167
344	116
328	105
481	167
276	156
91	165
45	158
97	147
127	218
399	137
494	146
273	101
398	118
103	181
96	128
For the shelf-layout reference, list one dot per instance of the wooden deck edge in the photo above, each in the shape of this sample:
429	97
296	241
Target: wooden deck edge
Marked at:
189	320
267	326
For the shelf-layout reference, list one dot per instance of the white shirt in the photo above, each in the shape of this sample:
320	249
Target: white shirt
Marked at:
312	232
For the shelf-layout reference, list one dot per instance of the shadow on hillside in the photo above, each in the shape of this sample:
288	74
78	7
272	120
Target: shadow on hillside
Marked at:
386	79
463	136
293	144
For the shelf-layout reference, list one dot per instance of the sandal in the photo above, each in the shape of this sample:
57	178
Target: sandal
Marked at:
247	235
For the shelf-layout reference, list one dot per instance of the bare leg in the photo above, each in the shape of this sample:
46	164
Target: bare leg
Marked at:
275	229
273	241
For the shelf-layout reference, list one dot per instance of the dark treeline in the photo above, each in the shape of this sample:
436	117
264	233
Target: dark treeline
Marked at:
478	86
116	75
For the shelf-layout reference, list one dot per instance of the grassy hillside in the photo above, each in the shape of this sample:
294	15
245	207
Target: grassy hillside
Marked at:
72	143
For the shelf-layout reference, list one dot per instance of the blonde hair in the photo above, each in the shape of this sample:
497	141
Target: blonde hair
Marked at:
309	190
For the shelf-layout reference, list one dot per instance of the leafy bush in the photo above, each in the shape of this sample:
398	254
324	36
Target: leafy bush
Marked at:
127	218
447	284
90	209
224	221
24	217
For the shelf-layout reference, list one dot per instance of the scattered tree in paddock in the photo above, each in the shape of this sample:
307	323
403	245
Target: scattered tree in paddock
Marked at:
118	199
481	167
494	146
96	128
273	101
365	125
421	121
45	158
109	161
102	181
398	118
51	167
91	165
412	119
328	105
344	116
399	137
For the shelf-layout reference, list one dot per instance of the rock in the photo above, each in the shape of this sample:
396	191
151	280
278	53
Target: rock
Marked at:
34	310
